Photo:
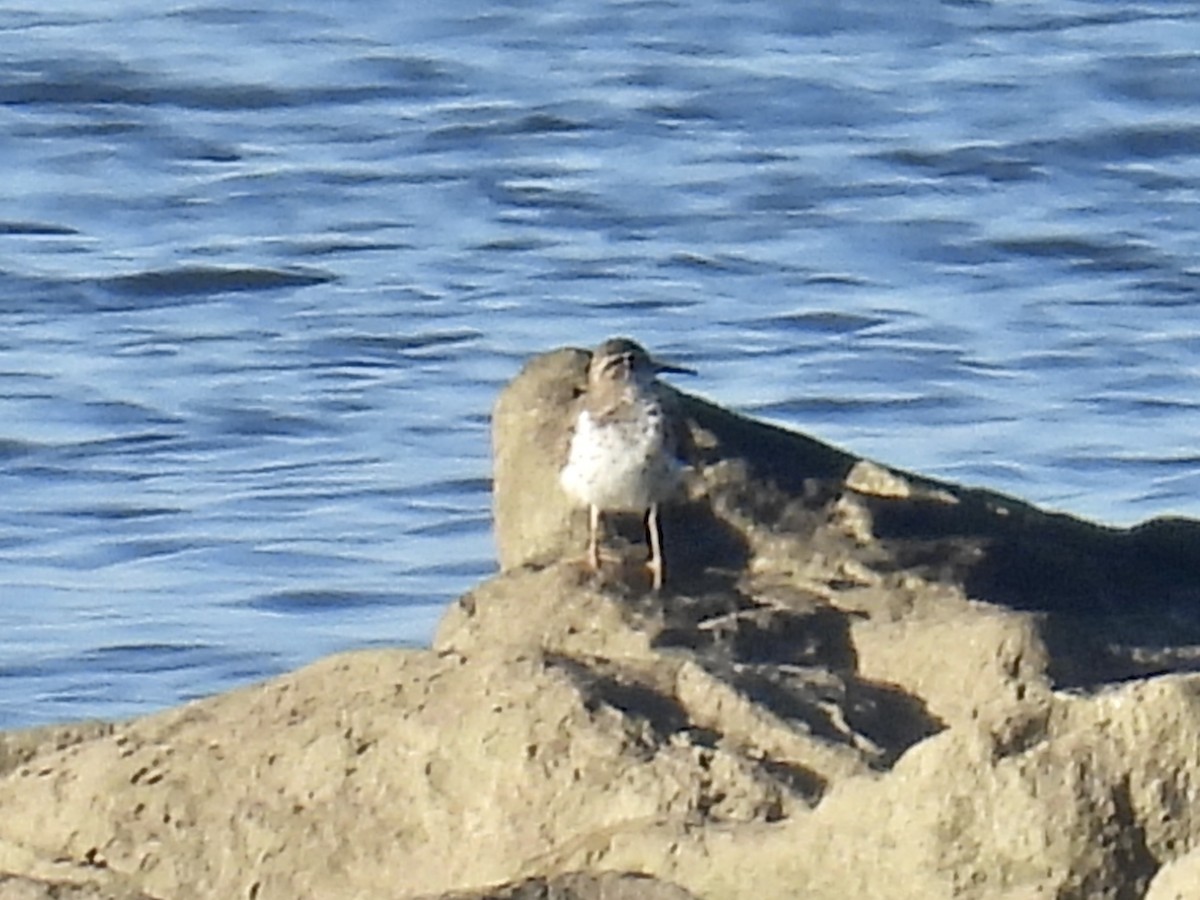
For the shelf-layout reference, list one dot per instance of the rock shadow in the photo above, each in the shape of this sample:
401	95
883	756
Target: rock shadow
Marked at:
797	660
729	626
667	720
696	544
1113	603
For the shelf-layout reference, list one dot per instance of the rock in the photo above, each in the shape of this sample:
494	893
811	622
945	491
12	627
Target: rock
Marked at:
530	436
44	878
16	887
1083	807
1177	880
857	683
18	747
581	886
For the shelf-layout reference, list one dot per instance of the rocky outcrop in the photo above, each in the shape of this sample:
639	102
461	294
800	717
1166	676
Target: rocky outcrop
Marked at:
857	683
580	886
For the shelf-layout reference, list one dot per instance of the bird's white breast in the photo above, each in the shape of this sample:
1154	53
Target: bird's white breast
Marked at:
620	464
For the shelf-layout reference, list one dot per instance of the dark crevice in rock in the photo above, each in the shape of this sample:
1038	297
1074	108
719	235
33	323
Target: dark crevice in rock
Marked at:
879	720
603	684
819	637
890	718
1125	837
800	663
739	628
802	782
638	701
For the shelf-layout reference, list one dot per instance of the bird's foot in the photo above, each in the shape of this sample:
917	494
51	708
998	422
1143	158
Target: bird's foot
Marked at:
655	570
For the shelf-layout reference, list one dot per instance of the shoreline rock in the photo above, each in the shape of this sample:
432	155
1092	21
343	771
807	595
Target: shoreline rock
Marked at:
858	683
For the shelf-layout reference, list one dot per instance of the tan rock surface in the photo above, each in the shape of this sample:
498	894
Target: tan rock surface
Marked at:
17	887
858	684
1177	880
580	886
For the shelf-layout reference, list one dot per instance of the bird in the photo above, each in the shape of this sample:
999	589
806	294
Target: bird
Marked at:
624	449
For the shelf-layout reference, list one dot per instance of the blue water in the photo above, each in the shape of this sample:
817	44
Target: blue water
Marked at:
264	269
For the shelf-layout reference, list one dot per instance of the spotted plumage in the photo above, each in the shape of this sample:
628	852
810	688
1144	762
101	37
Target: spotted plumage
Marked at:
624	449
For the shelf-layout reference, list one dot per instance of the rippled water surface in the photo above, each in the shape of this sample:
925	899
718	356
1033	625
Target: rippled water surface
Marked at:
263	270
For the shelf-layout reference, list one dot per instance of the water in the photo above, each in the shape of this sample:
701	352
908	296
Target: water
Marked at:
263	271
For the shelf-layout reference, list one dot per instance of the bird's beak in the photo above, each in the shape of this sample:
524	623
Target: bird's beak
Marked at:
668	367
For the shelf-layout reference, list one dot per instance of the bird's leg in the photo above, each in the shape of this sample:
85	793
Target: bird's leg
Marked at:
656	561
594	538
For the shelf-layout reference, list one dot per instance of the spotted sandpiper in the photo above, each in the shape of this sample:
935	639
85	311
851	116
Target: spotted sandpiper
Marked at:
623	455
